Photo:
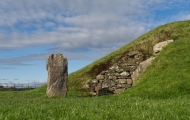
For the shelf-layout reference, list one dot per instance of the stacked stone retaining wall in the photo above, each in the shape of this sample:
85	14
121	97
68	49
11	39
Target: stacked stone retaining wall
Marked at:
118	77
122	74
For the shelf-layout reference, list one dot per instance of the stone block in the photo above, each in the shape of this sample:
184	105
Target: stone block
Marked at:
97	88
133	53
100	77
122	81
125	74
112	77
93	81
106	84
119	86
86	86
129	81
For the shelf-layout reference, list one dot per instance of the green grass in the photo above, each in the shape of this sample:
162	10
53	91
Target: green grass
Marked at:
20	105
161	93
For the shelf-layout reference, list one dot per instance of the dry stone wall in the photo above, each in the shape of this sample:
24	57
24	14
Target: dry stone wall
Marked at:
118	77
122	75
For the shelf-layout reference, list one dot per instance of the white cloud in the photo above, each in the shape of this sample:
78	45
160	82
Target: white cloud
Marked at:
77	24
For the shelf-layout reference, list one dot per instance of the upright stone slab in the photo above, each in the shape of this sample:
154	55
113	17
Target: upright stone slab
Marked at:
57	75
141	68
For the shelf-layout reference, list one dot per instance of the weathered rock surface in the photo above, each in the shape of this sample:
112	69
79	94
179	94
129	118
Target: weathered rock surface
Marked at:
57	75
141	68
158	47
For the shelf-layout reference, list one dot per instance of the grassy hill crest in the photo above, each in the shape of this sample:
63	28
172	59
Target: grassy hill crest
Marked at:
178	31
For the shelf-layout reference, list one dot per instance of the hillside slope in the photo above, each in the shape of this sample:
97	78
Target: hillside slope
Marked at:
169	74
168	64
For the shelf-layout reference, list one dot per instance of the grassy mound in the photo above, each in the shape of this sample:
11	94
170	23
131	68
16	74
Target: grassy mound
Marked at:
178	31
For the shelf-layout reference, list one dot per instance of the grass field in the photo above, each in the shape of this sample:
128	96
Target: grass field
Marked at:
161	93
33	105
27	105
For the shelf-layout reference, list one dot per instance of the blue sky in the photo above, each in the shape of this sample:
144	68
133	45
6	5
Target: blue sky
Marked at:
82	30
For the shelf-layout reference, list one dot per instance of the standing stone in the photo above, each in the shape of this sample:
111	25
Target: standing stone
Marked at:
57	75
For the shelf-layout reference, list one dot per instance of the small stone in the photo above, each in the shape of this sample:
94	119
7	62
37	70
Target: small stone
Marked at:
122	81
120	71
112	77
111	89
115	67
86	86
133	53
129	81
103	73
97	88
100	77
106	77
92	87
116	81
112	84
106	84
108	74
94	81
125	73
119	86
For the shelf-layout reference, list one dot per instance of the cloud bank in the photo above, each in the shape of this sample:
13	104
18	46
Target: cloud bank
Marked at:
78	28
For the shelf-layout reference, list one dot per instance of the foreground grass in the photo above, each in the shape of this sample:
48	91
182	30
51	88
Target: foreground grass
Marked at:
25	106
